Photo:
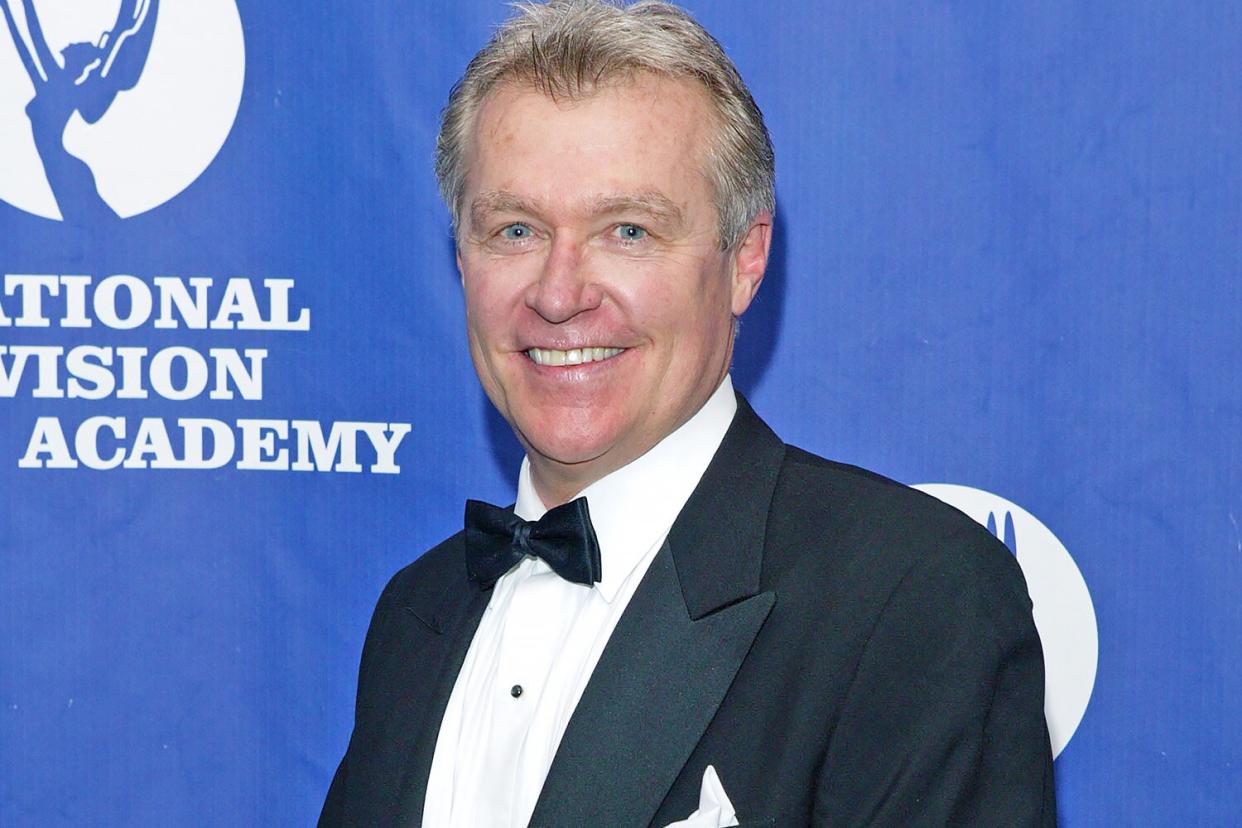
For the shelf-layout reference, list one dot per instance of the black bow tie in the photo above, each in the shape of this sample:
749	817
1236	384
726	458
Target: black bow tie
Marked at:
497	540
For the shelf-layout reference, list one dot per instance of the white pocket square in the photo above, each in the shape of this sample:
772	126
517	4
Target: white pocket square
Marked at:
715	810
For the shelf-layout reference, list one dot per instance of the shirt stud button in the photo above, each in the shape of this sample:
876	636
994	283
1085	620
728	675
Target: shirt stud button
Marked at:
516	691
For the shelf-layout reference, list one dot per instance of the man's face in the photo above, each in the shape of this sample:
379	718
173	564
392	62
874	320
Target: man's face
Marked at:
599	304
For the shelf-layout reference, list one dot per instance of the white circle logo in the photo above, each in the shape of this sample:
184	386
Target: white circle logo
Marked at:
112	107
1064	614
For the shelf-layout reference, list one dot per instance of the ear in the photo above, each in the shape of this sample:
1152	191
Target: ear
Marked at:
461	272
750	260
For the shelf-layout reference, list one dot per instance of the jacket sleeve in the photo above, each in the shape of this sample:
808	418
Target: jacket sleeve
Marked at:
943	723
334	806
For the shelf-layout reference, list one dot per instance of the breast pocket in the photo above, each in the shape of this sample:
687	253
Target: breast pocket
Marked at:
783	820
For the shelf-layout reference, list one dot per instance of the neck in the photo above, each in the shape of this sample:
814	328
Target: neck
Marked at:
558	483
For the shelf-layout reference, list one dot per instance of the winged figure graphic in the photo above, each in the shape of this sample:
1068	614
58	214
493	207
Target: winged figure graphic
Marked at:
86	79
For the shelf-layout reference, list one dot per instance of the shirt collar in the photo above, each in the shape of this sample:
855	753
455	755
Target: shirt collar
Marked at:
633	508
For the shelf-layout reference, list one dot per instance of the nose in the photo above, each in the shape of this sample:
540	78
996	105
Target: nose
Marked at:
564	288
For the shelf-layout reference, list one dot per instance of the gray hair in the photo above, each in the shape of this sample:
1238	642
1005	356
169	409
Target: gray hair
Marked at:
568	48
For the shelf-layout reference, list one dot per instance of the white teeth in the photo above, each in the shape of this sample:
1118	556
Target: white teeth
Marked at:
574	356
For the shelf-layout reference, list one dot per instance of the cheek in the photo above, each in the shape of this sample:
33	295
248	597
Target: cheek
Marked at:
697	312
679	286
489	305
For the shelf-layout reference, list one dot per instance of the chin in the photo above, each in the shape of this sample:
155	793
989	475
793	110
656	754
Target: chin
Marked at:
569	452
569	442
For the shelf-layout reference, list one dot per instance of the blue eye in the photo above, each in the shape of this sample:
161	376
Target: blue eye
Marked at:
516	232
630	232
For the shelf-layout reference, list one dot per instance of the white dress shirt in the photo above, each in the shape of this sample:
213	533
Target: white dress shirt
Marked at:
541	636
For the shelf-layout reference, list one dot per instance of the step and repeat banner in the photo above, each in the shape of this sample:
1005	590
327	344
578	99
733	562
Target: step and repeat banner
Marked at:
235	394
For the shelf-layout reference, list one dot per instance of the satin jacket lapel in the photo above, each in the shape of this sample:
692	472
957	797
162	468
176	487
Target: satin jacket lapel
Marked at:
451	615
675	651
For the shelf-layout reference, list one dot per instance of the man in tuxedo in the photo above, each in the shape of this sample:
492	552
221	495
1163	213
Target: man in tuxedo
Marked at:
680	614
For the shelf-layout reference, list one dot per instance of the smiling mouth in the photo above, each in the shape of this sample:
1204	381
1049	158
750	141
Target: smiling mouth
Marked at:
574	356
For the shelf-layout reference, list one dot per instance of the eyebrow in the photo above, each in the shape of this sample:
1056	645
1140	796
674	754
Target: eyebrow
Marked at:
499	201
652	203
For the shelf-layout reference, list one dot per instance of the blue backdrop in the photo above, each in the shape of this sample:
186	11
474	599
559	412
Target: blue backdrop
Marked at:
1008	257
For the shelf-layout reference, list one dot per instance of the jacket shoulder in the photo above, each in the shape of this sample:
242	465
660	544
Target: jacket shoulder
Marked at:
840	524
442	563
853	498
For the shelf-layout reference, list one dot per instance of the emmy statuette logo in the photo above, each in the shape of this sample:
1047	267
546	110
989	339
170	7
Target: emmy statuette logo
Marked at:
1064	612
113	107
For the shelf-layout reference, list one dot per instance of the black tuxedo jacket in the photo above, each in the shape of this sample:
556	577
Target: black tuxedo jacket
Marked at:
844	650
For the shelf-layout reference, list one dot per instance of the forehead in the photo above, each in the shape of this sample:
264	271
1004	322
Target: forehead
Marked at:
643	134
